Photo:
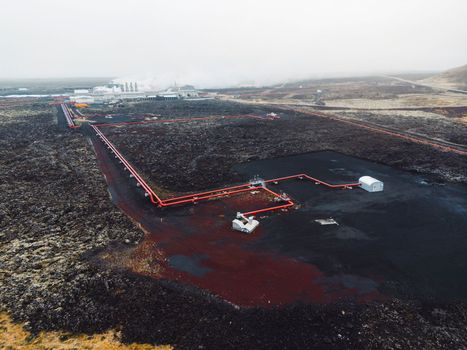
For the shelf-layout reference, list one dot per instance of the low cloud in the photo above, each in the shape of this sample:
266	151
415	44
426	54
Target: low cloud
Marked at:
216	43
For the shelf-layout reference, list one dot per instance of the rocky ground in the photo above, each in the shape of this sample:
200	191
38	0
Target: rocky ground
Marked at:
427	123
206	151
371	87
14	337
178	108
373	92
55	214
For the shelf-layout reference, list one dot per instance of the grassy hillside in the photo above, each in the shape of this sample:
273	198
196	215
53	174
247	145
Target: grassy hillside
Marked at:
452	78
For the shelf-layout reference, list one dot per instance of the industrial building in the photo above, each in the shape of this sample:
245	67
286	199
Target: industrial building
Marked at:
186	91
114	92
371	184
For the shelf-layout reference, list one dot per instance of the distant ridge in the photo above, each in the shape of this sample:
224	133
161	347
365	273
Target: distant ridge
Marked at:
455	78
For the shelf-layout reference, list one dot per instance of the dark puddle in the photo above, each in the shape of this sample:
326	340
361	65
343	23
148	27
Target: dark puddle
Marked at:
191	264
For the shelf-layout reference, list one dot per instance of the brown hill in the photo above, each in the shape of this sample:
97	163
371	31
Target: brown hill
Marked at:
455	78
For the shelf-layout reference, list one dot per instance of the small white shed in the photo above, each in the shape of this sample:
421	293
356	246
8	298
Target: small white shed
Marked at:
371	184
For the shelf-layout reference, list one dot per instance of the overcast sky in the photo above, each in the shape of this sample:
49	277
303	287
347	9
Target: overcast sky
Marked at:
222	42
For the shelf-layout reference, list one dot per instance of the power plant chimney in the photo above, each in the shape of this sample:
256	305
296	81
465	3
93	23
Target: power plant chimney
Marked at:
136	86
131	87
126	86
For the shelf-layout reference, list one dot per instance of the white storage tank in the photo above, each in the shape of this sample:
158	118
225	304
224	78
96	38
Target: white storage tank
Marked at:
371	184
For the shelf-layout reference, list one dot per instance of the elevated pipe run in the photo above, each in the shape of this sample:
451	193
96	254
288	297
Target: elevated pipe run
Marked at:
259	211
212	194
152	195
176	120
288	204
186	120
195	198
220	190
384	130
69	116
172	201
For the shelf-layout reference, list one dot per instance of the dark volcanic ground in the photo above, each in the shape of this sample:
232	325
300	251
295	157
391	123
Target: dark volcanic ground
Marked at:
194	156
407	241
380	248
432	124
56	215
